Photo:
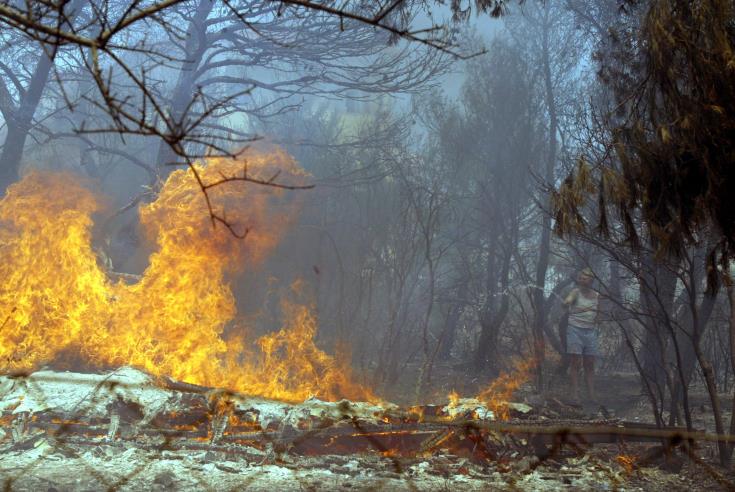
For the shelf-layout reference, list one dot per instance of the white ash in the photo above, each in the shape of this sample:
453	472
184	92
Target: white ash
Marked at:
89	395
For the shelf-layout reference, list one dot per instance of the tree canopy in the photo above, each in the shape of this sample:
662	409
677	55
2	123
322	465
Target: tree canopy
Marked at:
671	141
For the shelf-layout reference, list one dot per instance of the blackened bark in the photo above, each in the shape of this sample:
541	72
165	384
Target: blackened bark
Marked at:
731	299
685	342
452	323
21	122
658	285
491	320
196	46
542	264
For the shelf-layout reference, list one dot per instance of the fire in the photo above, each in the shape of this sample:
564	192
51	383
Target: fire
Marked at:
501	390
57	302
453	399
628	462
391	453
294	342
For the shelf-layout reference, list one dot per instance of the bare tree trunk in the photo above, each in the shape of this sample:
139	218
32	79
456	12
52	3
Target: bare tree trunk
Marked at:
658	286
683	339
428	355
20	124
731	299
490	320
704	363
20	120
196	45
392	344
542	264
452	323
680	393
709	379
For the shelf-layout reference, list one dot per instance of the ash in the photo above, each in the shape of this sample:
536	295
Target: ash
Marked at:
126	430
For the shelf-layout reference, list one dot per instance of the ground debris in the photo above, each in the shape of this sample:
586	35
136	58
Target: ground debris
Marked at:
141	433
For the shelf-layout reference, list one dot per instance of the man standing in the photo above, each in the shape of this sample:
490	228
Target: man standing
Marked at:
582	304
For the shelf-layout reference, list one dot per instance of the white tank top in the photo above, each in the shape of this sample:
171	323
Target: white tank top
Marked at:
583	311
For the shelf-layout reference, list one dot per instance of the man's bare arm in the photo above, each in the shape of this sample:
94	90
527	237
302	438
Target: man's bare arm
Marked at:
570	299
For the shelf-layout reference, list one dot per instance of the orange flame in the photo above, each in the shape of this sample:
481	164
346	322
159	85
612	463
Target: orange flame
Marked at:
501	390
628	462
55	299
453	397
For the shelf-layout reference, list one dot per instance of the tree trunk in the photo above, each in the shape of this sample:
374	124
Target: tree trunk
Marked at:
20	125
452	323
490	321
709	379
658	285
196	45
542	264
731	299
680	393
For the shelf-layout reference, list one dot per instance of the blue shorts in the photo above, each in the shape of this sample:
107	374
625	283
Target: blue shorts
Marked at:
581	341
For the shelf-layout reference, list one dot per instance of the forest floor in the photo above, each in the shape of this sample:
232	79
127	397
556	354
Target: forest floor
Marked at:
116	468
43	462
619	395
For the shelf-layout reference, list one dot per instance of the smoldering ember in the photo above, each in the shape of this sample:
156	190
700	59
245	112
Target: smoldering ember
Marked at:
387	245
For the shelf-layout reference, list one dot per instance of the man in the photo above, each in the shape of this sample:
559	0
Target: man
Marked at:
582	305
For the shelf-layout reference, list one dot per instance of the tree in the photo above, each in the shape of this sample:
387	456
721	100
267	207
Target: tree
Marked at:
275	60
21	89
125	48
492	144
660	173
110	30
672	137
551	43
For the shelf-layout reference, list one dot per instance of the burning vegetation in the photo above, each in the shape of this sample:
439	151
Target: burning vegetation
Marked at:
60	305
162	376
553	213
501	389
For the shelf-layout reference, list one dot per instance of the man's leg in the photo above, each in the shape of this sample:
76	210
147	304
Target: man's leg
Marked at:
575	364
575	349
589	375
